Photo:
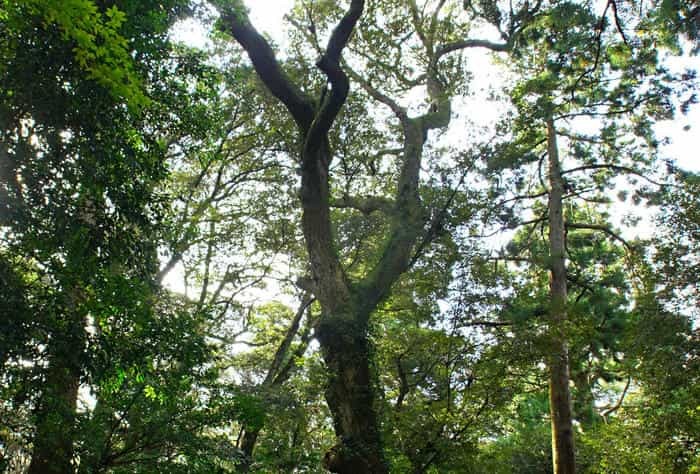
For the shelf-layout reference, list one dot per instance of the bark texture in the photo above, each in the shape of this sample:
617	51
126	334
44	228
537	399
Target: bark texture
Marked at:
347	305
564	461
350	396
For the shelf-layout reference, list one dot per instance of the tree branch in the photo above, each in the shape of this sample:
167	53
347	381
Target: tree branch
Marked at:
406	222
624	169
283	348
471	43
374	93
437	222
329	63
267	67
404	388
489	324
365	205
602	228
618	404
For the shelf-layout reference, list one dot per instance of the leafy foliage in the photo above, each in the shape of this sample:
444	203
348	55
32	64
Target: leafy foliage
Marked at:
150	209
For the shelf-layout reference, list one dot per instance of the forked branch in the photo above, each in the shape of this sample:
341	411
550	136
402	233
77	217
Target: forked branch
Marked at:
329	63
266	65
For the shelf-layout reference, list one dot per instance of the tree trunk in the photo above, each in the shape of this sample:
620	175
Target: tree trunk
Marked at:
346	305
350	396
584	401
247	445
559	393
53	442
280	369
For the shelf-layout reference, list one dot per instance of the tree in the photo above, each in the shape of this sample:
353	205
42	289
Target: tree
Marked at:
281	341
348	301
80	225
677	256
618	82
435	352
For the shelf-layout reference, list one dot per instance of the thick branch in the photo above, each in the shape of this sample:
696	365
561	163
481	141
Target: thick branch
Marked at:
304	338
366	205
283	348
471	43
488	324
329	63
618	22
407	221
440	111
267	67
341	34
518	22
329	279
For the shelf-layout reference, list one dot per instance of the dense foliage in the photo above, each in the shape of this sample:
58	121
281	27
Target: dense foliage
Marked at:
324	254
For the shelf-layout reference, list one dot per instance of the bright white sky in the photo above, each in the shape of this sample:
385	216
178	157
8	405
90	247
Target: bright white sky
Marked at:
267	16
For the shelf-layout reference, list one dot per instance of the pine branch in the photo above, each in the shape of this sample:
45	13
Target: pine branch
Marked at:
601	228
625	169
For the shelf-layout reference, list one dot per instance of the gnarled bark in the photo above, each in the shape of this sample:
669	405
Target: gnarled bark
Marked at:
347	305
350	395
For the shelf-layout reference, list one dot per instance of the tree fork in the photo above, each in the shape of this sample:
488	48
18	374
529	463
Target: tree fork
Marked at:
342	329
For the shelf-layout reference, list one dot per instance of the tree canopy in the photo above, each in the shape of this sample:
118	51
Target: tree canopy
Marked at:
343	251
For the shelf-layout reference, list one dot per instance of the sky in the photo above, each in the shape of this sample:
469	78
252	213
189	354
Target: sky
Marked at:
684	144
683	132
267	15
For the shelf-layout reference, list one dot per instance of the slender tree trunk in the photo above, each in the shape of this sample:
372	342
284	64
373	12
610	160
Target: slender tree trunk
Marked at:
247	445
559	393
53	442
584	402
280	369
350	396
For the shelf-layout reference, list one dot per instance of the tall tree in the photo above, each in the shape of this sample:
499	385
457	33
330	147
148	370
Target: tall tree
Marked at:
619	85
343	328
559	377
348	300
72	95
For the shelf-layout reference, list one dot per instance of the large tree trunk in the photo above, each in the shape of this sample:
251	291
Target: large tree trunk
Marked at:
55	416
559	393
346	305
350	396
